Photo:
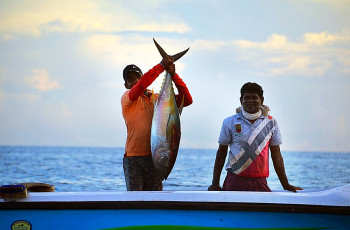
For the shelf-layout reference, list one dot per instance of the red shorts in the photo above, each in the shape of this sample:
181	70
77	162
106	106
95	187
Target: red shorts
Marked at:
238	183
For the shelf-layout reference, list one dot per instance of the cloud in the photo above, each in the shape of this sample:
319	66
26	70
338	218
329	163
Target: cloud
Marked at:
49	16
323	38
119	51
41	81
295	64
6	37
278	43
78	16
123	50
313	55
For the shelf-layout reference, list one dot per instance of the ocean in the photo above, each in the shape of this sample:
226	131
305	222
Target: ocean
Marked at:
72	169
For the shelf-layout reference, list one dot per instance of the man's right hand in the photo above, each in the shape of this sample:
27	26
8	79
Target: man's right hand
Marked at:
167	61
214	188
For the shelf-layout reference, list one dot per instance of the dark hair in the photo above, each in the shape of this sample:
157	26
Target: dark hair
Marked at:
250	87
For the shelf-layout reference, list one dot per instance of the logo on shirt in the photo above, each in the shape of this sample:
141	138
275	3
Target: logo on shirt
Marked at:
238	128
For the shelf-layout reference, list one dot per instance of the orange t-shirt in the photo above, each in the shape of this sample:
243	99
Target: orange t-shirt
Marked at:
138	119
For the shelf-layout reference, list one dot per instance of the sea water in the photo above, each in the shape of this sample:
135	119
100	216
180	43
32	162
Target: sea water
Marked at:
101	169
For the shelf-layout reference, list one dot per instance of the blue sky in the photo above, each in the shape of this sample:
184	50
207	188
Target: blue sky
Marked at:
61	67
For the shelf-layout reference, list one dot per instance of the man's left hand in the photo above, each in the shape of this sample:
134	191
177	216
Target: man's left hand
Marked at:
292	188
171	70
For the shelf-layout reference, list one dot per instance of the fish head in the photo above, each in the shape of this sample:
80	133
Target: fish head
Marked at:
161	161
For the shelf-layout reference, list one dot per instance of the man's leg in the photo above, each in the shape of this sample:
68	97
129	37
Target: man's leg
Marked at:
133	174
152	180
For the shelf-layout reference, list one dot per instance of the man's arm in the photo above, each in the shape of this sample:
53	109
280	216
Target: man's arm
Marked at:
278	164
219	164
184	93
149	77
145	81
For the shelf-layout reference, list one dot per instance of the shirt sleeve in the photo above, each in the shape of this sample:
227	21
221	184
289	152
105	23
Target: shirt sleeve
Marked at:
276	138
183	91
145	81
225	137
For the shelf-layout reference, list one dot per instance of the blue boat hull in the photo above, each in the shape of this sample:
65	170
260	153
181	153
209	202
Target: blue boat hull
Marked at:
202	210
170	219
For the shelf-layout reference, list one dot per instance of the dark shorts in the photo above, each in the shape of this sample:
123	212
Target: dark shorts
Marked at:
140	174
237	183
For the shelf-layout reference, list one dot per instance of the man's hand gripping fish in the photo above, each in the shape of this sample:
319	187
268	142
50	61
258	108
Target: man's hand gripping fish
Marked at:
166	130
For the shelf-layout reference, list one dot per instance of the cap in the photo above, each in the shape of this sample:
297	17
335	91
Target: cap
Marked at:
130	68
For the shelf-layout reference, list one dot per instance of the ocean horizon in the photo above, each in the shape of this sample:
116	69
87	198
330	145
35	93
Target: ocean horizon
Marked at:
100	168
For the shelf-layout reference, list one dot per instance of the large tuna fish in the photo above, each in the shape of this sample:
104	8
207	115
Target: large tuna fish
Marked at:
166	130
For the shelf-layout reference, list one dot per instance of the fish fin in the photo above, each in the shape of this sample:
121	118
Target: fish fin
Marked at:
164	54
163	82
153	98
182	104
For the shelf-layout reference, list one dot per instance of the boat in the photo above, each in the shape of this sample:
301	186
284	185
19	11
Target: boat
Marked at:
203	210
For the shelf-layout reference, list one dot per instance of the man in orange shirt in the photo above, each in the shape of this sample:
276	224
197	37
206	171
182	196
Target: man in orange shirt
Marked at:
137	109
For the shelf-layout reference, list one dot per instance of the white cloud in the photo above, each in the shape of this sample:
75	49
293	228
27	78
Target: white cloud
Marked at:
41	81
113	50
37	16
50	16
323	38
298	64
275	43
314	55
118	50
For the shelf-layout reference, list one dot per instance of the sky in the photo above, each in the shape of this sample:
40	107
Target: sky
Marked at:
61	66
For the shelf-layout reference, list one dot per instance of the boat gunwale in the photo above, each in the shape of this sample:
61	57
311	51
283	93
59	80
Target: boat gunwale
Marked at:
175	205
